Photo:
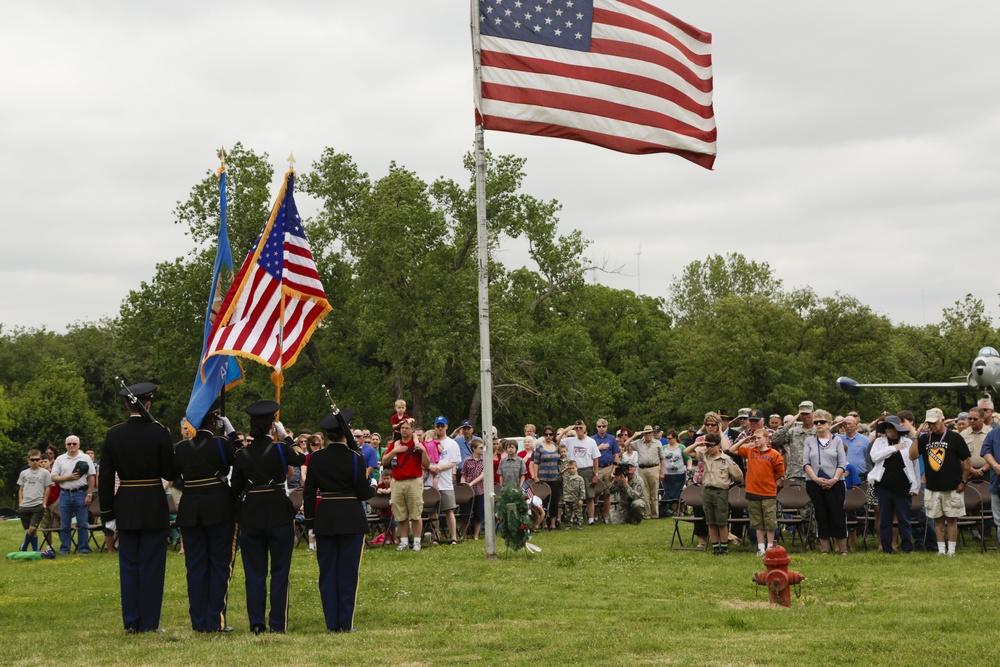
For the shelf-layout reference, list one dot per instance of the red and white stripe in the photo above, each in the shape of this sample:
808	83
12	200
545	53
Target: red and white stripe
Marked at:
645	86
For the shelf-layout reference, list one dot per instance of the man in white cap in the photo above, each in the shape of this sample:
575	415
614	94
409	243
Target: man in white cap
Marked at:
946	469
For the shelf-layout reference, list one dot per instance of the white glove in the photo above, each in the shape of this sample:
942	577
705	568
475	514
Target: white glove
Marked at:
226	424
111	525
279	430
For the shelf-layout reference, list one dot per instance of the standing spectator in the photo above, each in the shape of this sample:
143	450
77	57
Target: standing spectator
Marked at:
75	473
50	515
652	464
266	517
465	440
368	452
765	467
408	459
446	469
473	472
946	468
607	445
857	446
583	450
574	493
140	452
896	479
629	455
511	469
774	422
986	405
974	436
545	462
991	453
675	472
32	497
790	440
825	462
526	454
719	474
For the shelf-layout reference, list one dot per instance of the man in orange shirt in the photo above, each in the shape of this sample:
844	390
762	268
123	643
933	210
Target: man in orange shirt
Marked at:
765	466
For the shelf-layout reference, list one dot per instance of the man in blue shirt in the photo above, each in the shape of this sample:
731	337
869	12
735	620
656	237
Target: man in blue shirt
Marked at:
611	454
991	452
857	445
464	437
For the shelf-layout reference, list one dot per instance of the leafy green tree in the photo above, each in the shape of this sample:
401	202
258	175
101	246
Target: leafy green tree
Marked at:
702	283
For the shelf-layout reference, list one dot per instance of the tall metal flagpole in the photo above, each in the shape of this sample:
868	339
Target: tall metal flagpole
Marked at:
485	366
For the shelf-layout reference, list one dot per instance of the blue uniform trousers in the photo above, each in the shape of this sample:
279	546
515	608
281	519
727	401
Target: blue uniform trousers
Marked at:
142	563
209	552
339	558
256	545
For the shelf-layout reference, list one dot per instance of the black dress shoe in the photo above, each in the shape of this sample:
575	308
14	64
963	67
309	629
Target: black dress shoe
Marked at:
258	629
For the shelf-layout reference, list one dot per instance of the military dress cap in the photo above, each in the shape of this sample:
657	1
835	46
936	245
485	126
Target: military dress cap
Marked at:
141	390
262	408
331	423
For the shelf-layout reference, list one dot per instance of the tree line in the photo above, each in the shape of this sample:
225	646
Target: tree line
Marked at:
397	256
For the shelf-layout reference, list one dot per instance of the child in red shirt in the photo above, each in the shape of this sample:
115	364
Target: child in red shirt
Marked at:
765	466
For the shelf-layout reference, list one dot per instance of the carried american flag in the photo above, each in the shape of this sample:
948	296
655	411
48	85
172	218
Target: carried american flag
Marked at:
277	300
621	74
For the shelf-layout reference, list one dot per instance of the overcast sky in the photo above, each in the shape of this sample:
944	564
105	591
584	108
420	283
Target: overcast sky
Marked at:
857	152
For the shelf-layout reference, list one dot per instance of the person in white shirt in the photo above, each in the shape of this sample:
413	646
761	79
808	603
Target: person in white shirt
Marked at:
583	449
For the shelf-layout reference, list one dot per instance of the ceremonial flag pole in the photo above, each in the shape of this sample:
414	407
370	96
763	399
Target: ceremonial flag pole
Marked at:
619	74
485	363
221	373
277	299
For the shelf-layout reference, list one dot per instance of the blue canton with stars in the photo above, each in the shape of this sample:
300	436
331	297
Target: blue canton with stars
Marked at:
563	23
272	255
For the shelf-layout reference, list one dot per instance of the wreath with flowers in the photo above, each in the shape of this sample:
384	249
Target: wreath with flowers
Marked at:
513	518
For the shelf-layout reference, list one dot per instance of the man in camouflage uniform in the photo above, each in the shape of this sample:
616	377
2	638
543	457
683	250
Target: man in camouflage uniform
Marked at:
790	440
574	494
627	502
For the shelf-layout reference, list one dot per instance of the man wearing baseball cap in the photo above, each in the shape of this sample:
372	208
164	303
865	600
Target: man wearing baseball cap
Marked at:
946	460
790	440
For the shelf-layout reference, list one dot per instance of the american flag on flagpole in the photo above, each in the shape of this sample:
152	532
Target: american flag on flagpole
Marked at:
621	74
277	300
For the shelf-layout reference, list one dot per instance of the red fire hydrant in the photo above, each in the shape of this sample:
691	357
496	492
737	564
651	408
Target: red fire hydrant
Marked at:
777	578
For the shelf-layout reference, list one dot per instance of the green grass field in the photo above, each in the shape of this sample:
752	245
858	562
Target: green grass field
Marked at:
610	595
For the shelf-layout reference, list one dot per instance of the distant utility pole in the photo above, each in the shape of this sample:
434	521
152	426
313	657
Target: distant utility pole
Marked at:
638	271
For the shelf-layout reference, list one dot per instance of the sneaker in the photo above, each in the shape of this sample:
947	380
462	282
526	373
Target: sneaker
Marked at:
402	547
950	554
590	522
48	554
760	552
416	546
312	546
84	551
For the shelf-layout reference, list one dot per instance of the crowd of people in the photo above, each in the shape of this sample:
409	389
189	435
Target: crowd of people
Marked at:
573	479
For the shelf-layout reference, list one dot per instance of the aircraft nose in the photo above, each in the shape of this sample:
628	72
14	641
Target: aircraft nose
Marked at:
979	366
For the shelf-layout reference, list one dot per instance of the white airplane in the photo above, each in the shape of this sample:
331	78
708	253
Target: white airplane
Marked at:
984	376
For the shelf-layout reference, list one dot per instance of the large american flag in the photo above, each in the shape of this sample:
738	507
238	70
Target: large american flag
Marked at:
277	300
621	74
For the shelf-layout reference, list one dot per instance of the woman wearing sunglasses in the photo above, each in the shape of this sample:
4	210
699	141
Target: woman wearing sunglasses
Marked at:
824	463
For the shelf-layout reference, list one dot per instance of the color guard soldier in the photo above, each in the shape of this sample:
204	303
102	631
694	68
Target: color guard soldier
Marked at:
266	516
207	523
338	480
141	452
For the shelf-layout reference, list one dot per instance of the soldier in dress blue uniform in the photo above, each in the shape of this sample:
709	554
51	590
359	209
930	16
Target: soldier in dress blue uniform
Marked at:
207	521
141	452
338	480
266	516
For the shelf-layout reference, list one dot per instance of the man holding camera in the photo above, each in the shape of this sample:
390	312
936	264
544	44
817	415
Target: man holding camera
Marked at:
627	492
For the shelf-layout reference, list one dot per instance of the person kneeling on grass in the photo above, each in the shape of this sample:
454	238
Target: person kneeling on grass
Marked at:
765	466
720	472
